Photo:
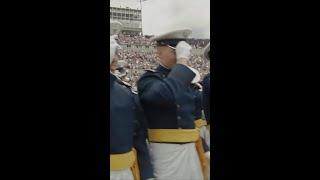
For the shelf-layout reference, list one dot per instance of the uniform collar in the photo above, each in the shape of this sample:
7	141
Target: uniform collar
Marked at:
163	69
113	78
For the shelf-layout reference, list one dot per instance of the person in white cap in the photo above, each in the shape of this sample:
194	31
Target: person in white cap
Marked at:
168	101
129	156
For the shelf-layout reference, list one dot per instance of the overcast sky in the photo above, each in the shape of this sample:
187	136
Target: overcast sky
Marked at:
159	16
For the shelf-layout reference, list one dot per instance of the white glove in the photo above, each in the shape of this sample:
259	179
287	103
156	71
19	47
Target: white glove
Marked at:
113	47
183	50
207	154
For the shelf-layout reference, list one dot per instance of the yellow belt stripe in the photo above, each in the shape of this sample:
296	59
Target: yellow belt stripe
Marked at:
122	161
173	135
200	122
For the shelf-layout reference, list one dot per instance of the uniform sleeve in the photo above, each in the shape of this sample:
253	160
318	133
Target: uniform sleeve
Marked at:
153	88
206	97
140	144
182	74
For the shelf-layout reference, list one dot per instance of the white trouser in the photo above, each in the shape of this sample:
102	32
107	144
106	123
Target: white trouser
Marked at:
175	161
121	175
205	134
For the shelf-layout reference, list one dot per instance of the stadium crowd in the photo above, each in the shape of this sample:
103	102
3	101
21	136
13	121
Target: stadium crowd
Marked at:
134	60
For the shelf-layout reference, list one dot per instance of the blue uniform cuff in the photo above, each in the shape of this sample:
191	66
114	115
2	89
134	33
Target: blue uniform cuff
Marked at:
182	73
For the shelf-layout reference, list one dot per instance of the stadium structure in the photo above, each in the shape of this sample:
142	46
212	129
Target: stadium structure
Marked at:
129	18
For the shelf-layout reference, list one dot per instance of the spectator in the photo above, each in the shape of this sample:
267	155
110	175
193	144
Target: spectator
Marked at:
138	59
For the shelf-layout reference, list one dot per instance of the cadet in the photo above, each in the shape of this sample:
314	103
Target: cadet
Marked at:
129	158
169	103
206	87
200	123
140	133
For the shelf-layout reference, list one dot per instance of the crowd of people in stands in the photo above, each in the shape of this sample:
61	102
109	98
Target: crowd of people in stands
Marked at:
133	62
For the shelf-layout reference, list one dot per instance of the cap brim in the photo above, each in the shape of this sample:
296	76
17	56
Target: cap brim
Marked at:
177	34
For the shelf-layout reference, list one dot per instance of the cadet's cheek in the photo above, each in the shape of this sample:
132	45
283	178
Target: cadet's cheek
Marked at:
158	54
173	56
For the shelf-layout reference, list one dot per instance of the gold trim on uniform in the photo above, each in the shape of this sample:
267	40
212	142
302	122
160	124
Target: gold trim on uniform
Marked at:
181	136
200	122
122	161
173	135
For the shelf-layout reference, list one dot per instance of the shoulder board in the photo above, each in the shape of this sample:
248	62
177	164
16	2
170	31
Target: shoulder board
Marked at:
118	78
125	83
150	70
197	85
134	92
